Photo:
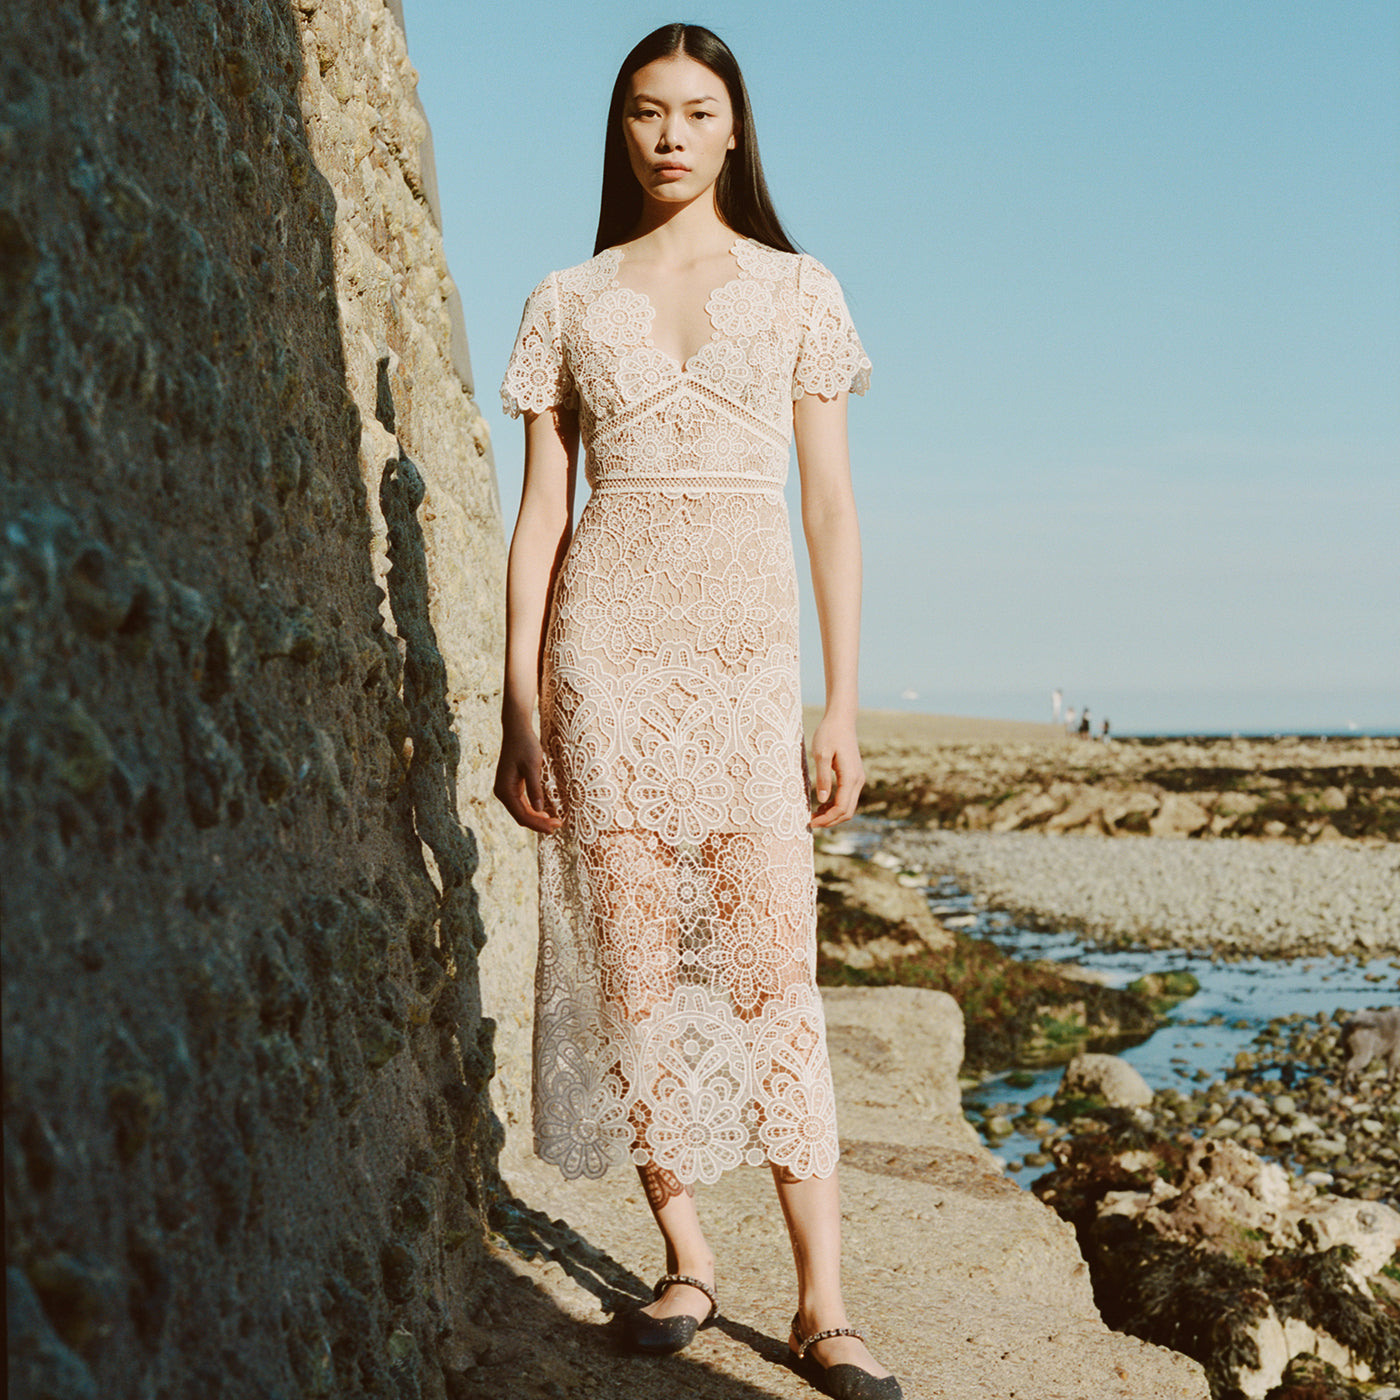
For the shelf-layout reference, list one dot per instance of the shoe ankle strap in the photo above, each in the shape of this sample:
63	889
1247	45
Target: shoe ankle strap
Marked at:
804	1343
666	1280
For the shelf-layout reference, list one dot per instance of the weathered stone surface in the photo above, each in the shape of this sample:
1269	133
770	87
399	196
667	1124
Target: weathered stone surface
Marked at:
250	563
1104	1077
869	896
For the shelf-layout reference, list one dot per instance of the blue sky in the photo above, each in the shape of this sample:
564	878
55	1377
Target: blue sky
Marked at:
1129	274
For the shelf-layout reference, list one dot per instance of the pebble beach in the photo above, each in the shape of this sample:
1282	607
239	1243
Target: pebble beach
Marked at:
1268	898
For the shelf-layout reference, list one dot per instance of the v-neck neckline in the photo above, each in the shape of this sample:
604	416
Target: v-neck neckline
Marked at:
619	257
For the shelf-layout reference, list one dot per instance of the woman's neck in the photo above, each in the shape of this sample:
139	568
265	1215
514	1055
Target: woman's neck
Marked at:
682	232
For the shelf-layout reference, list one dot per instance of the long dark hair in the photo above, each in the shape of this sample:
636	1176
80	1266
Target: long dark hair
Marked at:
741	194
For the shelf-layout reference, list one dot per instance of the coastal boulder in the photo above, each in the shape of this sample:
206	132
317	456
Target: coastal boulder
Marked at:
1104	1077
1227	1258
1178	815
867	919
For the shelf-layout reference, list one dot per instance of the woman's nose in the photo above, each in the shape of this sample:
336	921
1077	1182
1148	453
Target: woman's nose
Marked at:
672	134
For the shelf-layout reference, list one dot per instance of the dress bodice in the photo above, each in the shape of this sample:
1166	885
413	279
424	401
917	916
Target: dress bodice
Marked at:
780	329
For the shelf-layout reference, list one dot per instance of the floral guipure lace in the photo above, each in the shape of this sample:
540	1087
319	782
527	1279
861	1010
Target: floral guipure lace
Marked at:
677	1017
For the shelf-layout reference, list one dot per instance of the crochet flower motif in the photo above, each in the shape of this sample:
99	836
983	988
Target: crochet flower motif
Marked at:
638	962
740	308
680	792
759	260
690	891
777	793
697	1134
619	318
722	365
586	1131
732	615
831	360
590	794
678	548
744	960
643	372
537	377
798	1133
691	415
623	609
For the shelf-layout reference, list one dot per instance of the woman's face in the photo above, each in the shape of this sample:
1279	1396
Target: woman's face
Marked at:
679	125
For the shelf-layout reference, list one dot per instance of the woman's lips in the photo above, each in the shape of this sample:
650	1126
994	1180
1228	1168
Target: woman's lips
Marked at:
671	172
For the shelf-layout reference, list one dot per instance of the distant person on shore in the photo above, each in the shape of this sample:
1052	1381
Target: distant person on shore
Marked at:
1071	714
1103	730
1085	727
1057	700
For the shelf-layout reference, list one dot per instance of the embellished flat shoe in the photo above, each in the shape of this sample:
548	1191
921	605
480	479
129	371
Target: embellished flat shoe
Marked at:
655	1336
842	1381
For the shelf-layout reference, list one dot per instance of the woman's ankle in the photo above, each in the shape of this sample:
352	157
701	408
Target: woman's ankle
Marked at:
820	1314
699	1265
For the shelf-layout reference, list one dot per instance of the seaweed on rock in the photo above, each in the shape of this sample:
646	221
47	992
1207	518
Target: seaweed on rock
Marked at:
1320	1290
1216	1297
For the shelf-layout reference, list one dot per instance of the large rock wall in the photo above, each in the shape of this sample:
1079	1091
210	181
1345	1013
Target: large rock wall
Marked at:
250	569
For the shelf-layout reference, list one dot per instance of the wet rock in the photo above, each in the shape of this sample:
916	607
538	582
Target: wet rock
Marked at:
1166	989
1215	1233
1104	1077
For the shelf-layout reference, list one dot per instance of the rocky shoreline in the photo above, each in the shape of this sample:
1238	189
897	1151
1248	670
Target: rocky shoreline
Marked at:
1302	790
1185	1209
1250	1222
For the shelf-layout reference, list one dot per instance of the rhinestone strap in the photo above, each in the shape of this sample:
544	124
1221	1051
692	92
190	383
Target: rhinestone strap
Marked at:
816	1337
666	1280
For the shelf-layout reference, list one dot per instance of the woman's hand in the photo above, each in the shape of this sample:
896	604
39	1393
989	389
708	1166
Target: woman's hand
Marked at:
520	780
840	775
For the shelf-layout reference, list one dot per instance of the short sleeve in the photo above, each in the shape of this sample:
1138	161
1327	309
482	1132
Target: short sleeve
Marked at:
537	377
830	357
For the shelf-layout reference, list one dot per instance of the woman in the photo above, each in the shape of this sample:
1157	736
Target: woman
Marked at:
678	1025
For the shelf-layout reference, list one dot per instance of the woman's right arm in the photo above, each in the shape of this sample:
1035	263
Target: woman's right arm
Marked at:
537	548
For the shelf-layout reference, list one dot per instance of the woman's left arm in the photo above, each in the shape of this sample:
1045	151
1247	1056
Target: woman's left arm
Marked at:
833	546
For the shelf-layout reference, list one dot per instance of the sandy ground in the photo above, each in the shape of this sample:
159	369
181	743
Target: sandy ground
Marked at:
880	727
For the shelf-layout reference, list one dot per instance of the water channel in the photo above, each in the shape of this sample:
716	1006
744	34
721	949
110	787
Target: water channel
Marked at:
1201	1035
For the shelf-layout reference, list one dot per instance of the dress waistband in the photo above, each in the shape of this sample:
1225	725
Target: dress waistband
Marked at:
689	484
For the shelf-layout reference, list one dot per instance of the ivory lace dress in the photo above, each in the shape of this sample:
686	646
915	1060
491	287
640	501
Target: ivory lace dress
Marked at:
677	1017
